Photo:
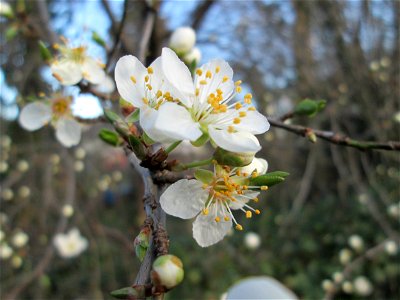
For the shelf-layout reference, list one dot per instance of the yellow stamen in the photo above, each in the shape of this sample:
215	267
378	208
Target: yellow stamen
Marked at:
239	82
133	79
146	78
203	82
238	106
239	227
256	199
226	218
242	114
238	89
199	72
149	86
217	219
159	94
248	96
150	70
225	79
197	91
248	214
257	212
231	129
204	186
254	174
208	74
217	69
236	120
252	108
247	100
145	100
264	187
205	211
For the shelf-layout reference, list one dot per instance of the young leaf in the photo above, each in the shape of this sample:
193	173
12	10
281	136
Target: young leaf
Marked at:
110	137
133	117
111	116
44	52
98	40
309	107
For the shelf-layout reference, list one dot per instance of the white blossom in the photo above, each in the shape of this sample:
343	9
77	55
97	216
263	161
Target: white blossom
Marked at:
70	244
80	153
57	111
7	194
347	287
183	39
209	105
6	10
193	56
327	285
212	203
252	240
24	191
67	210
5	251
338	277
20	239
22	166
345	256
391	247
362	286
356	242
74	64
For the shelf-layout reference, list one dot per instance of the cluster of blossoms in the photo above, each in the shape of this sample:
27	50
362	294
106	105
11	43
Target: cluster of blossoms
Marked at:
175	107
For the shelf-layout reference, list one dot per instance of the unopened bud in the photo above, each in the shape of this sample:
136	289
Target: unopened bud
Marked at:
167	271
224	157
24	191
311	136
356	242
182	40
347	287
194	56
22	166
141	243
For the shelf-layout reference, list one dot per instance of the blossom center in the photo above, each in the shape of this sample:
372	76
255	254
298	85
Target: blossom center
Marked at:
60	106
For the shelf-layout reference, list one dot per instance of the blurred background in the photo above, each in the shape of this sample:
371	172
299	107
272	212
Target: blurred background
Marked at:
331	230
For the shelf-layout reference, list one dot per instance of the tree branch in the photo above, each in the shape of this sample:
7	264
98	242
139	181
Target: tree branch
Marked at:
336	138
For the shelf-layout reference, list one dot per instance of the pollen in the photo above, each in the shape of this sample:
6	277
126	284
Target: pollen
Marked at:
238	106
236	120
145	100
217	69
247	100
231	129
248	214
225	79
239	82
208	74
197	91
226	218
242	114
205	211
133	79
264	187
159	94
254	174
238	89
150	70
257	212
249	96
199	72
252	108
149	86
203	82
239	227
256	199
217	219
146	78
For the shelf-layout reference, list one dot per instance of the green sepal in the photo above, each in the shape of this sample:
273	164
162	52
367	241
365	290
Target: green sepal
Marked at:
45	52
110	137
140	252
125	293
111	116
98	39
205	176
233	159
201	140
309	107
268	179
133	117
137	146
146	139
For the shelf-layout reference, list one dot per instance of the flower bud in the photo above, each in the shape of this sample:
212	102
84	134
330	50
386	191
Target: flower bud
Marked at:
356	242
391	247
5	251
224	157
20	239
141	243
345	256
167	271
22	166
24	191
3	166
67	210
362	286
7	194
338	277
6	10
347	287
182	40
328	285
252	240
193	56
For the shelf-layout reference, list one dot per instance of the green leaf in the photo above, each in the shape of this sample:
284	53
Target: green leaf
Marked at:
268	179
125	293
133	117
111	116
205	176
11	33
98	40
201	140
309	107
45	52
232	159
110	137
146	139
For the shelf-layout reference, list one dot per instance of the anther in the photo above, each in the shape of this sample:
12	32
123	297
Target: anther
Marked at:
248	214
236	120
133	79
203	82
205	211
238	89
239	227
208	74
252	108
231	129
150	70
225	79
217	69
256	199
257	212
226	218
146	78
217	219
247	100
149	86
242	114
264	187
239	82
199	72
238	106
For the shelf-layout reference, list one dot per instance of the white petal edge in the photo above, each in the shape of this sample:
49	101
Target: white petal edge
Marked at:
68	132
254	122
242	199
92	71
128	66
66	72
259	164
148	118
184	199
236	141
175	121
34	116
178	75
207	232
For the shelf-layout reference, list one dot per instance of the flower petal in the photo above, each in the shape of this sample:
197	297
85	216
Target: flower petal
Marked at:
107	86
67	72
175	121
242	199
148	118
219	80
68	132
34	116
240	141
259	164
184	199
254	122
178	75
206	231
92	71
128	71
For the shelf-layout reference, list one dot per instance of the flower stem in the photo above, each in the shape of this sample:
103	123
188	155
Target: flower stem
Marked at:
172	146
194	164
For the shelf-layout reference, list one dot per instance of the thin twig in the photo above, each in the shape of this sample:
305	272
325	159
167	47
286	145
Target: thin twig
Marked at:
336	138
146	34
